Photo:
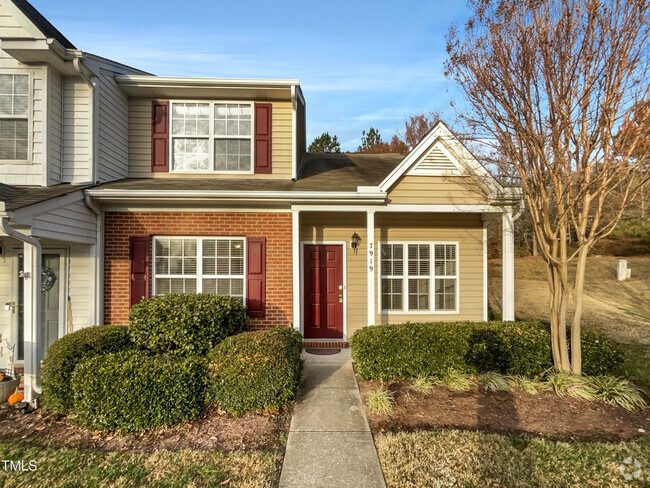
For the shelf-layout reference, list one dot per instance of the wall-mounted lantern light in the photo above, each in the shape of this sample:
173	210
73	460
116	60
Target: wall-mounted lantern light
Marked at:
354	242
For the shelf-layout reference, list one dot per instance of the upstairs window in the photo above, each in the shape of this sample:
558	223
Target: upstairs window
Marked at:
14	118
212	137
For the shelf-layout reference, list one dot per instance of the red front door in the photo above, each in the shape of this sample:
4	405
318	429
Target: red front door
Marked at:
323	291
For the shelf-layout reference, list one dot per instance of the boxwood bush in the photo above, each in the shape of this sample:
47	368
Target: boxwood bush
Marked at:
64	354
386	352
131	391
184	324
255	370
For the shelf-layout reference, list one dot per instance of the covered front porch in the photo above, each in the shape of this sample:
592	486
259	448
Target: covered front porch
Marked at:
354	266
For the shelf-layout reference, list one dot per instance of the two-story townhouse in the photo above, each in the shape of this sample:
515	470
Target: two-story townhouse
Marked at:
118	185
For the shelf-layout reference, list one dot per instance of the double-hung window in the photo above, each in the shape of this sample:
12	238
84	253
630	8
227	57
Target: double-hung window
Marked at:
212	137
14	118
199	265
419	277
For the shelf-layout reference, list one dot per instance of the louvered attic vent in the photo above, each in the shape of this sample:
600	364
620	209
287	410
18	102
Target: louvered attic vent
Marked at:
435	163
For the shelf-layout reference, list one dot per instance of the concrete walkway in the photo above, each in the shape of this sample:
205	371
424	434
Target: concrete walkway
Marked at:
329	443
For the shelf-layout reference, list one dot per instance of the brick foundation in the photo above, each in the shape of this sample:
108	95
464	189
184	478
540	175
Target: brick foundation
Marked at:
276	227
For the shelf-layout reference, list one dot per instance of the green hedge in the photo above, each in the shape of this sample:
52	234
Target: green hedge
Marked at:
255	370
186	324
135	390
408	350
64	354
601	356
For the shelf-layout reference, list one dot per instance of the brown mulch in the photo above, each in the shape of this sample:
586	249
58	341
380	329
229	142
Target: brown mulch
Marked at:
213	431
545	414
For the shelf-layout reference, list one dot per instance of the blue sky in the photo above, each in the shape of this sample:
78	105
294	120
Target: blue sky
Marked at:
360	63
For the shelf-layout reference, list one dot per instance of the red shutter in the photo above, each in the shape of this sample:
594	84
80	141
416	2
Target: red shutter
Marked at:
256	277
263	138
138	269
159	136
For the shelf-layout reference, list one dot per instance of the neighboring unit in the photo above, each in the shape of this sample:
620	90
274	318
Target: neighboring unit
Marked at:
117	185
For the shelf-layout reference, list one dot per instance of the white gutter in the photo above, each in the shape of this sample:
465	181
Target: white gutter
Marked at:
144	80
260	195
33	334
92	116
99	261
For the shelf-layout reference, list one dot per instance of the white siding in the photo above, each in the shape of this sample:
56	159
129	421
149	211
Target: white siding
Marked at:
76	131
6	295
73	222
113	133
55	137
81	285
10	28
31	172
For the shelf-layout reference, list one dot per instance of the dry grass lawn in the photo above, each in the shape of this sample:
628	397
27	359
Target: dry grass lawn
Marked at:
453	458
78	467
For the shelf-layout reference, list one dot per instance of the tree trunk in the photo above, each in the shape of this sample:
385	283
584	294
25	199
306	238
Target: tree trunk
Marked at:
559	298
535	250
578	296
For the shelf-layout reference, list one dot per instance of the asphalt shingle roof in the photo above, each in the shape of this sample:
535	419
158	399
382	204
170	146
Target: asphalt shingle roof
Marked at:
15	197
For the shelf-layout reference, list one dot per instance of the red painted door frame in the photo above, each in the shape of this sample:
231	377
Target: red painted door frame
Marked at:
323	291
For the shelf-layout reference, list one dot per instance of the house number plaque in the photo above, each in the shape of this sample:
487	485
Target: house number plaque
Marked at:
371	257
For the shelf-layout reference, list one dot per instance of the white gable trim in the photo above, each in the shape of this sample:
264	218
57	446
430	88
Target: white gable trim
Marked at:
432	164
442	132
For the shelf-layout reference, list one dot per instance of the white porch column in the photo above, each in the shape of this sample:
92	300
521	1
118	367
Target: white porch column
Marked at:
32	318
508	267
370	236
485	269
295	252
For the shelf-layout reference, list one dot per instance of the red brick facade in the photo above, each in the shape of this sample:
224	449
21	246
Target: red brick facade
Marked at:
276	227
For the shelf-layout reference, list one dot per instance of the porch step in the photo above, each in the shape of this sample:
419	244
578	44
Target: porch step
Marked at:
324	345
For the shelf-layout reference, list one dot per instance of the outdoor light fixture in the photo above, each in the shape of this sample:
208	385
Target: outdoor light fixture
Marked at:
354	242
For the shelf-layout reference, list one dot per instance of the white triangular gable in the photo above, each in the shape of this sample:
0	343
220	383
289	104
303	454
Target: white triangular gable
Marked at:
437	162
14	24
440	138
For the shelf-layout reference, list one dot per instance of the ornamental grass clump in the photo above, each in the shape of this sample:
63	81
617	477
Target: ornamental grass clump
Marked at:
492	381
422	384
456	381
617	391
565	384
381	400
527	385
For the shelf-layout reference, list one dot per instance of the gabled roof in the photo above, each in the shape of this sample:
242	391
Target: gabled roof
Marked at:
44	25
441	138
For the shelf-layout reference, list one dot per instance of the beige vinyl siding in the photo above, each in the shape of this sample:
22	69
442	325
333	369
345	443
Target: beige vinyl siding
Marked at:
10	28
76	131
30	172
466	229
73	222
437	190
139	143
113	131
55	137
81	285
327	227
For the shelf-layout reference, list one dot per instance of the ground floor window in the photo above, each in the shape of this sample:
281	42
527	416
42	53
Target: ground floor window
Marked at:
419	277
199	265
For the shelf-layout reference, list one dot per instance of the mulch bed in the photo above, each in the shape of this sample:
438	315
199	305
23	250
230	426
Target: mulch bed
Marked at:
213	431
545	414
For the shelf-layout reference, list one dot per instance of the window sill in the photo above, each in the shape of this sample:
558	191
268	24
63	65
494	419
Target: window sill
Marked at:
419	312
15	161
181	172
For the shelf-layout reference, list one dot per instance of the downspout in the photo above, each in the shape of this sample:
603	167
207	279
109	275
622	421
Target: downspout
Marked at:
99	260
36	289
77	62
294	134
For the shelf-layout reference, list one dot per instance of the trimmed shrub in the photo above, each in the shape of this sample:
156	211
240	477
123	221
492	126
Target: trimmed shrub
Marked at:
255	370
386	352
186	324
131	391
64	354
601	356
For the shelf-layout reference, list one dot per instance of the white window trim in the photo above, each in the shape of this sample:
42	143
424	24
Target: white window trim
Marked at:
30	116
199	263
211	138
432	277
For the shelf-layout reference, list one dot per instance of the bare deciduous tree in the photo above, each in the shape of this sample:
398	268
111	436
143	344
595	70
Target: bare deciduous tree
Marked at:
551	83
